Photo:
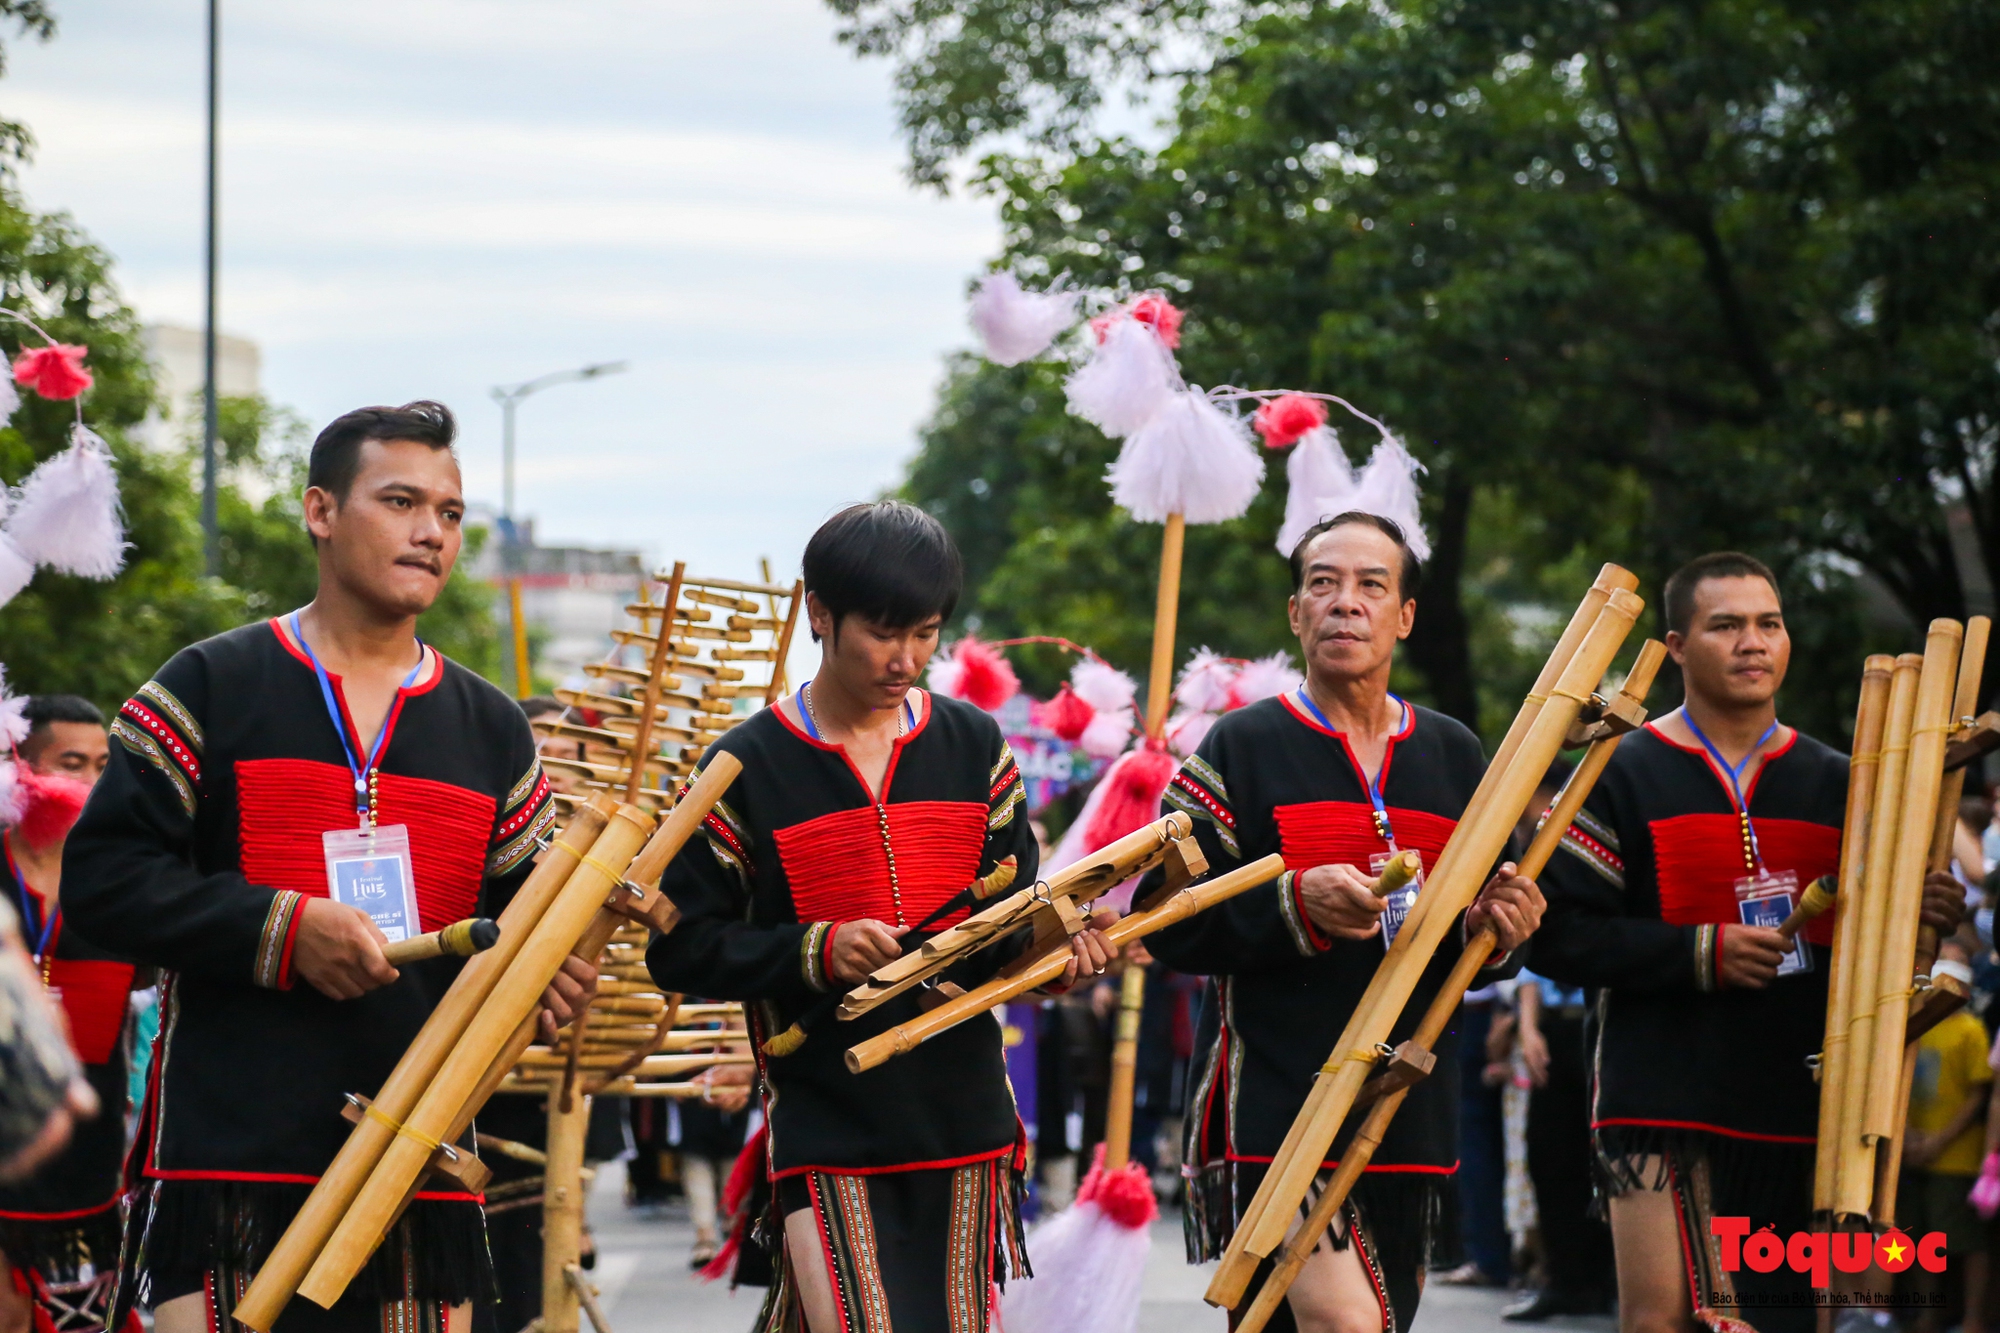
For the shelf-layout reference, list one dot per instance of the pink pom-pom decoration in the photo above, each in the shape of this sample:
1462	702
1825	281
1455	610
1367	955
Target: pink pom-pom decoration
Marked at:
975	672
53	372
1187	730
1265	678
1067	715
1985	1195
49	805
1159	314
1286	418
1205	682
1103	686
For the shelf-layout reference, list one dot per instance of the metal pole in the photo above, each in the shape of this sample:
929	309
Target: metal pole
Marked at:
212	539
507	460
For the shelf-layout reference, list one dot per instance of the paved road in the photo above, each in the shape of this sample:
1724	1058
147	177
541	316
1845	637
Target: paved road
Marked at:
648	1288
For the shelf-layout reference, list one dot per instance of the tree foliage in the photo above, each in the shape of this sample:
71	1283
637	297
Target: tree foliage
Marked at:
1635	280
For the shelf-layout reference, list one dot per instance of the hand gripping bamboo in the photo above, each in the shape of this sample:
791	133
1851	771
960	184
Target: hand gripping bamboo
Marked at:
512	1002
1177	906
1866	759
295	1251
1964	704
1854	1166
1361	1148
1455	881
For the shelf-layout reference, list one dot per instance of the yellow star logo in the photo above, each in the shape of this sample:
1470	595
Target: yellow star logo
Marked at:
1894	1249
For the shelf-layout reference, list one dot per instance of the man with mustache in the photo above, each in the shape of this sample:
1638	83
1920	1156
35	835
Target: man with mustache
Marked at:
865	805
1337	775
1713	818
66	1214
328	747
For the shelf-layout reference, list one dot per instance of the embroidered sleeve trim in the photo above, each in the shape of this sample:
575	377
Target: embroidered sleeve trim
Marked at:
531	824
182	716
532	784
1707	943
138	743
291	938
1305	938
1600	832
1001	765
274	944
1198	799
1600	857
812	955
1005	801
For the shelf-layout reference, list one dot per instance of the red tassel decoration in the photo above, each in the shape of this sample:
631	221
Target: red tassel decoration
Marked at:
53	372
976	673
1131	799
1284	419
1067	715
50	805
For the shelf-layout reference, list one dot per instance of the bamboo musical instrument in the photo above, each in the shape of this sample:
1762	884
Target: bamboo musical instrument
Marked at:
1052	905
1964	703
289	1259
1854	1164
1812	905
1455	881
1361	1148
1124	1068
1178	906
460	939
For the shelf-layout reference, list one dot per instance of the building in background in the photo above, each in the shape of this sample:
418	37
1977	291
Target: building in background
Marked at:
176	357
572	597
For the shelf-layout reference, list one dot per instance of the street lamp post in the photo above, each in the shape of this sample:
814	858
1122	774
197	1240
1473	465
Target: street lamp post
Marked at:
509	396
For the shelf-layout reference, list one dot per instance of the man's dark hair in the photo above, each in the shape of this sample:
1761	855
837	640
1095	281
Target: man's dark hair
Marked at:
540	705
42	710
336	454
1682	582
887	562
1408	580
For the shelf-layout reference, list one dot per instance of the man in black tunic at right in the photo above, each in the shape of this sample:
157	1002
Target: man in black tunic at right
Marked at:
1336	775
1702	1104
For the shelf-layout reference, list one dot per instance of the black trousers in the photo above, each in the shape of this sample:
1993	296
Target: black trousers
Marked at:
1576	1246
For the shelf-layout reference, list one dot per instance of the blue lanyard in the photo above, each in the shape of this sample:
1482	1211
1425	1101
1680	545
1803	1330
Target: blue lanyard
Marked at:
340	725
31	915
1374	784
806	716
1735	772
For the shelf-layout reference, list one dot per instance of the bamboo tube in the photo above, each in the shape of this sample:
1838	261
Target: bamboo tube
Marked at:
653	1065
279	1277
776	688
524	684
662	655
1610	578
1871	714
460	939
1166	616
1124	1068
1454	884
1177	906
1889	1152
562	1208
510	1006
1929	726
1361	1148
1854	1166
624	1087
1964	703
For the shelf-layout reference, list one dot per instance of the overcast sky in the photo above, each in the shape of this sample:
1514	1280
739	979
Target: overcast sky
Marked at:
431	197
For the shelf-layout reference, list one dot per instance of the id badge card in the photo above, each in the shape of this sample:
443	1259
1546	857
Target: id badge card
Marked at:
1400	902
370	869
1766	899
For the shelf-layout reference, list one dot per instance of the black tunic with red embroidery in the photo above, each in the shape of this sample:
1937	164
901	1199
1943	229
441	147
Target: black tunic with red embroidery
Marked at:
798	846
1638	900
1272	778
67	1211
195	852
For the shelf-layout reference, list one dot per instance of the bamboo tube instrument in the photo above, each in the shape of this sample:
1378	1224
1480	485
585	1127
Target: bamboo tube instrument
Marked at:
460	939
282	1271
1166	618
1964	704
1361	1148
1854	1165
1124	1068
1461	871
1178	906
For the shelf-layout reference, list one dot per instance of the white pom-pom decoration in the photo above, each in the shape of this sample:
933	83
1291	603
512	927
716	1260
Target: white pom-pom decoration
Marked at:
1108	733
68	516
10	399
12	798
1090	1272
1319	484
13	715
1103	686
1186	730
1130	376
1015	325
1191	459
1205	681
1387	488
16	569
1265	678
